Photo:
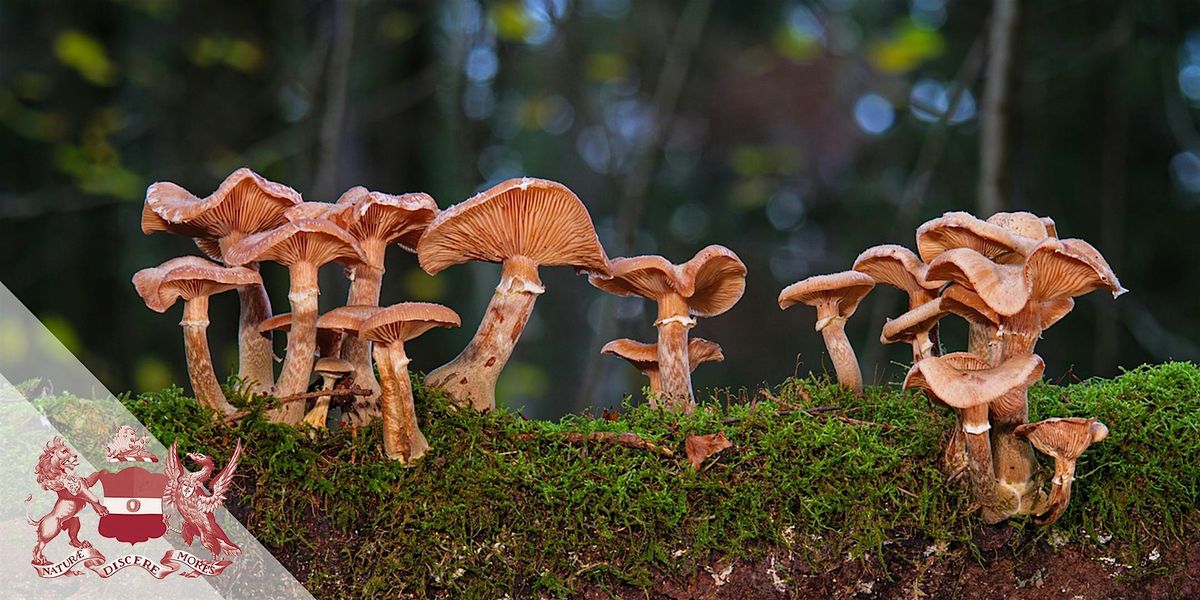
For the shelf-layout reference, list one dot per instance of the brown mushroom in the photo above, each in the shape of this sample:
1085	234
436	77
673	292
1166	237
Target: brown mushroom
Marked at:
329	340
1064	439
347	322
376	220
244	204
705	286
1025	224
644	358
302	246
898	267
389	329
835	297
194	279
968	383
523	224
330	370
962	230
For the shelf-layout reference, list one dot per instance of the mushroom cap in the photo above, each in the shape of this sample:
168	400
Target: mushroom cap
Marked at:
964	380
1024	224
1063	438
896	266
907	326
405	321
1069	268
332	366
188	277
1004	287
644	356
1054	310
538	219
347	318
963	230
399	220
967	304
328	338
835	295
314	241
244	203
279	322
711	282
308	210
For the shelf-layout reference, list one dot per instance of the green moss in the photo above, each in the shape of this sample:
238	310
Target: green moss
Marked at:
503	504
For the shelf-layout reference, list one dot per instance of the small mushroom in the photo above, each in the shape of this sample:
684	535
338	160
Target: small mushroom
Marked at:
302	245
347	322
898	267
913	327
194	279
244	204
389	329
707	285
835	297
524	224
1064	439
331	370
329	341
376	220
644	357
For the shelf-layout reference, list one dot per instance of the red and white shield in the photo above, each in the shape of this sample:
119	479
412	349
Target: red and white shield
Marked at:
133	497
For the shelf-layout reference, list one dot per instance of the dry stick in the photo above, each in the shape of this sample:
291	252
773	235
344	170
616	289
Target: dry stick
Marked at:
669	88
627	439
355	391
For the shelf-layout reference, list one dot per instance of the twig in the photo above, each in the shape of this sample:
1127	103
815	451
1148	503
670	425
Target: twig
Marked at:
627	439
355	391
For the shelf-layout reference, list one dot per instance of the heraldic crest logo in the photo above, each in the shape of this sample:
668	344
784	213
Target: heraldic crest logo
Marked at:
133	508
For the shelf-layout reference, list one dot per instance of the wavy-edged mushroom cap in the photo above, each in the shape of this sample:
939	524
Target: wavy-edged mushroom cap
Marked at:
964	380
244	203
1005	288
305	240
391	219
347	318
963	230
332	366
909	325
537	219
1069	268
896	266
406	320
711	282
644	356
1024	224
308	210
1063	438
1052	311
834	296
188	277
967	304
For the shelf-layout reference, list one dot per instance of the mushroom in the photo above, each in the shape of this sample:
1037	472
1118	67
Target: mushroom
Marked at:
347	322
194	279
329	341
898	267
389	329
968	383
914	327
644	358
1025	224
835	297
330	370
376	220
244	204
963	230
523	224
1064	439
302	245
705	286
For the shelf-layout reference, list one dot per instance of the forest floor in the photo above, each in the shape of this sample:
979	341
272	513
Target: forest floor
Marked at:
820	495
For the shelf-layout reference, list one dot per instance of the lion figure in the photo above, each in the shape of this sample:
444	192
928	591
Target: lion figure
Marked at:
56	473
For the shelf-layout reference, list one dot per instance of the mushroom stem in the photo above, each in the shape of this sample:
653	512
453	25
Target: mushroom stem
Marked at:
1060	492
954	457
199	360
984	341
1016	463
674	368
470	379
655	385
364	290
979	459
302	342
402	438
320	411
845	363
255	355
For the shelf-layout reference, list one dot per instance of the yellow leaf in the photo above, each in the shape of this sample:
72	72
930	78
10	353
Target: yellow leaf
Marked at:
86	55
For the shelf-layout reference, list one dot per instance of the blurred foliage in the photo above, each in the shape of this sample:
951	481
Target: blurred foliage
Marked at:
503	505
804	132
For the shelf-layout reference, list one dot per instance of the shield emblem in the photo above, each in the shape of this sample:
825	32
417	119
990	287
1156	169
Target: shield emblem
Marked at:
133	497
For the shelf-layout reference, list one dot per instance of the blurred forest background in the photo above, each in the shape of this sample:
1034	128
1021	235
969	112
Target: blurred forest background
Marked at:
796	133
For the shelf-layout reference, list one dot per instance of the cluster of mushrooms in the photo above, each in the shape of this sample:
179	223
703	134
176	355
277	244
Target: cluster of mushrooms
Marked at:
1011	278
524	224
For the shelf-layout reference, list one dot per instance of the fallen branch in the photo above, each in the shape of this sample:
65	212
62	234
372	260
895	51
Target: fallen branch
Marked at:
355	391
627	439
